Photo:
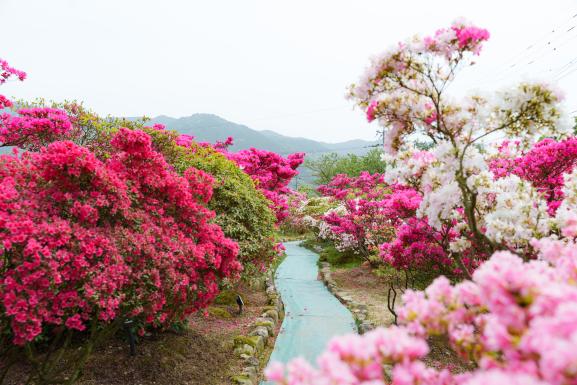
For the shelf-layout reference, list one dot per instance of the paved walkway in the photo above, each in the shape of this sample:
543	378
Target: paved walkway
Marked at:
312	314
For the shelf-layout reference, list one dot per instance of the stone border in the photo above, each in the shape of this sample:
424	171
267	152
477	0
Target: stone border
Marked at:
358	310
249	348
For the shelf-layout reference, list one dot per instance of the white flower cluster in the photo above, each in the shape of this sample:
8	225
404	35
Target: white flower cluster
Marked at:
568	209
407	166
310	222
325	231
519	213
442	194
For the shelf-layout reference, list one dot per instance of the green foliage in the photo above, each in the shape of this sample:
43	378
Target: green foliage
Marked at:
308	190
317	206
226	297
331	255
340	259
219	312
329	165
242	211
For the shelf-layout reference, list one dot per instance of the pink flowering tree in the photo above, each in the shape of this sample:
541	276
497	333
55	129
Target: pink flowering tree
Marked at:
513	320
405	89
359	222
374	217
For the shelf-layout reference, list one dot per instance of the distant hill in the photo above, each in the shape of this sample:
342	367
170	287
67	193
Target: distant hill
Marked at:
210	128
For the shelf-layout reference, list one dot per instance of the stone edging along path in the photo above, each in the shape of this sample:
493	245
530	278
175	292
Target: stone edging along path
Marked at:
358	310
250	348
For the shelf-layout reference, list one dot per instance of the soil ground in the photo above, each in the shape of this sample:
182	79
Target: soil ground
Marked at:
364	286
200	355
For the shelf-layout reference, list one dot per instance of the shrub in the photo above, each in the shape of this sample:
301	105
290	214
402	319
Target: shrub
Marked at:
89	243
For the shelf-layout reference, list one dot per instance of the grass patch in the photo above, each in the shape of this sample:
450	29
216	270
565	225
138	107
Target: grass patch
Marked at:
330	254
339	259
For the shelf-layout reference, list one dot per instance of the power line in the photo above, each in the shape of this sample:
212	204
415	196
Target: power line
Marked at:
544	39
567	73
543	46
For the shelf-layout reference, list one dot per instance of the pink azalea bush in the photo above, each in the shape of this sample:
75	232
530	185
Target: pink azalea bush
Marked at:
90	240
374	217
33	128
271	173
126	237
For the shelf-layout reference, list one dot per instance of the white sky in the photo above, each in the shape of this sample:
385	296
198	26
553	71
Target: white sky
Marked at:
278	65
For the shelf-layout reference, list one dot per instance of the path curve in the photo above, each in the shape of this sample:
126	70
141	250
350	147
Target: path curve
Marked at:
312	314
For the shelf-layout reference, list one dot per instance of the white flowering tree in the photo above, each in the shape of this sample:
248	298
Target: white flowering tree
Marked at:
405	89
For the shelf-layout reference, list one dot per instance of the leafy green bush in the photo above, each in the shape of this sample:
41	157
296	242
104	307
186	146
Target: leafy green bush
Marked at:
327	166
242	211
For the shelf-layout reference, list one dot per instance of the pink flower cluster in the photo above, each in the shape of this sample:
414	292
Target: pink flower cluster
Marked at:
34	127
88	240
460	37
543	166
4	102
31	128
272	173
371	110
470	37
185	140
515	321
6	72
417	246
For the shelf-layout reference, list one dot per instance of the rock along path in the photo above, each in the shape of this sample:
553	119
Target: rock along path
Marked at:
312	314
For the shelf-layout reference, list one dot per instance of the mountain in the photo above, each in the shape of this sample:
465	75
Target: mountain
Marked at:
210	128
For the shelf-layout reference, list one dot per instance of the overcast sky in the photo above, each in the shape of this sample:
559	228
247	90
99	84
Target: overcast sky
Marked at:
278	65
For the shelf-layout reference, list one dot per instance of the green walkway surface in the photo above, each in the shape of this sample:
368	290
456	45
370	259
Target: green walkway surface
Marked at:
312	314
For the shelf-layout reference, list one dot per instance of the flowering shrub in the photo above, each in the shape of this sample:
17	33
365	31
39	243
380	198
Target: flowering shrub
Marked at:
360	221
121	238
272	173
88	243
377	218
241	209
404	89
34	128
294	222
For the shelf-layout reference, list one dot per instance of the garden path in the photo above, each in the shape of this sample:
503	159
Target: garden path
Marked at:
312	314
